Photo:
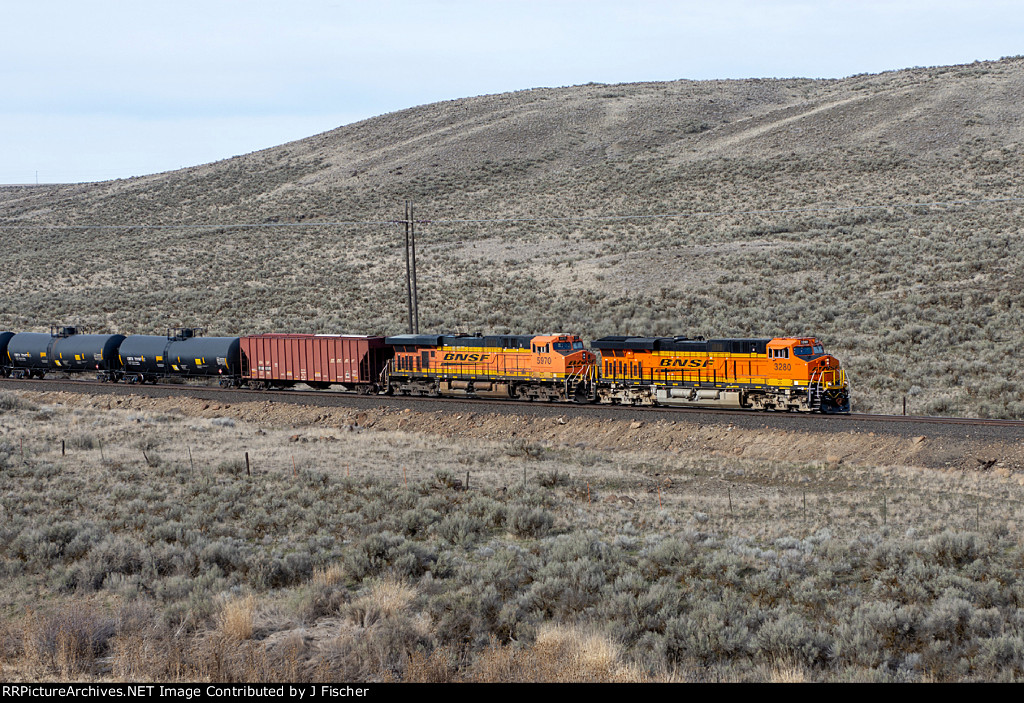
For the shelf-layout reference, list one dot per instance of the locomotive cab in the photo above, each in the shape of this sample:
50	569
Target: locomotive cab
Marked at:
560	354
804	360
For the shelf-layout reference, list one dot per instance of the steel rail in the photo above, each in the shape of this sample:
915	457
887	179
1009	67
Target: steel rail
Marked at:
184	388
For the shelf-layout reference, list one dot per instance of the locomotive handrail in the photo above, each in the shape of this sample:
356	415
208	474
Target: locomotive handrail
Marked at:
812	384
578	375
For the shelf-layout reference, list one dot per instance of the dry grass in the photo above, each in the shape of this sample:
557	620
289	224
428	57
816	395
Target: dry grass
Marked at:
236	619
565	653
383	599
788	674
560	653
328	576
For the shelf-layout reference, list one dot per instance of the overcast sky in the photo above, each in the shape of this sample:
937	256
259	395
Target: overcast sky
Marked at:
103	89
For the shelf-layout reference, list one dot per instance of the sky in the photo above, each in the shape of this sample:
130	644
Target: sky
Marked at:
95	90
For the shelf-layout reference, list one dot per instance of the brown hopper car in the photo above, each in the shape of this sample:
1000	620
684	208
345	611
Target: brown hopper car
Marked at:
318	360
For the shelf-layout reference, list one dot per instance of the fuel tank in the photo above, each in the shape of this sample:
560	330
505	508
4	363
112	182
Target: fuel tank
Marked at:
64	349
182	353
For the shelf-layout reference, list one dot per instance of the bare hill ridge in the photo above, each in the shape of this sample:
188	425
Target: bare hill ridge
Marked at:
917	114
923	302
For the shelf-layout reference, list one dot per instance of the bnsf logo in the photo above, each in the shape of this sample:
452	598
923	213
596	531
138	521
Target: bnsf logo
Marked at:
686	363
452	356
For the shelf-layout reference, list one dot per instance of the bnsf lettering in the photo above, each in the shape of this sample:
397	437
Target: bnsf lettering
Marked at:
452	356
686	363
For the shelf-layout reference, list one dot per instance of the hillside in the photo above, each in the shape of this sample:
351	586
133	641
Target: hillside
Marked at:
779	179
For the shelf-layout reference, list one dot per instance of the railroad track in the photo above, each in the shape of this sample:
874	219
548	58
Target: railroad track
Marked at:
321	397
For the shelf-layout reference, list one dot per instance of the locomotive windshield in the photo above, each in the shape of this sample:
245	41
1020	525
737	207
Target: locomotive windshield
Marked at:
808	353
566	347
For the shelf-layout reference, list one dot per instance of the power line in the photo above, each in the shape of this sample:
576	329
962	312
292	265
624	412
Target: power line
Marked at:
724	213
17	224
223	225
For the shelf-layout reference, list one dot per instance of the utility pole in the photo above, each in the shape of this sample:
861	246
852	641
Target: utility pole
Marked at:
408	270
415	290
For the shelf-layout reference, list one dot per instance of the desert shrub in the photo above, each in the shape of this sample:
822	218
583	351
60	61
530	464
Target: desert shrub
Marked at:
999	657
13	401
714	631
375	510
231	467
415	521
492	512
379	652
553	478
790	637
950	619
268	571
954	548
81	440
877	632
460	529
455	617
69	640
509	570
444	478
563	589
387	554
525	521
113	554
666	558
522	448
226	553
634	608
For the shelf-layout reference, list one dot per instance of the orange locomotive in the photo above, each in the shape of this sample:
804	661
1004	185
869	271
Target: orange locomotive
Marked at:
792	373
530	367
